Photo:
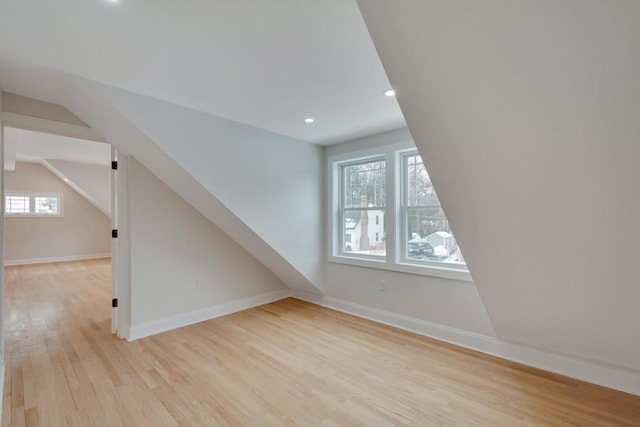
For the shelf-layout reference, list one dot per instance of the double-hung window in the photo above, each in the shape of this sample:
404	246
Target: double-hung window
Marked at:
362	208
384	213
426	234
24	204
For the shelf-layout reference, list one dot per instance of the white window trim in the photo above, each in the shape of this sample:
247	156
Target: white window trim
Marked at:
59	196
402	155
393	261
341	231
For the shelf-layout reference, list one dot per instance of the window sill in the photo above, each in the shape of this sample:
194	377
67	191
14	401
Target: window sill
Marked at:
422	270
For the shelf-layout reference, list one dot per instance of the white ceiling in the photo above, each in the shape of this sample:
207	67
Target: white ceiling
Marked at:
268	64
34	146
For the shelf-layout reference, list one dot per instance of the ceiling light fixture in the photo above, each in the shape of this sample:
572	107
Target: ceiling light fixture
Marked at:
309	120
390	92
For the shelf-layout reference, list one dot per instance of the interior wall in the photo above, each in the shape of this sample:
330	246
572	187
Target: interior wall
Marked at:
259	187
17	104
446	302
82	231
2	237
526	114
92	179
180	261
270	181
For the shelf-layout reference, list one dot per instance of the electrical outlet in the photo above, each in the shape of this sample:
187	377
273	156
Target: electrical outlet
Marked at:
383	285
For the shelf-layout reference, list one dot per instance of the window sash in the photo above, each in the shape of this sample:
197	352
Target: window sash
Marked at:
343	209
382	182
407	207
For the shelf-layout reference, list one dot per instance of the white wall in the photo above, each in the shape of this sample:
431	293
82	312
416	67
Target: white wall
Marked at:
526	114
448	302
21	105
1	254
83	231
259	187
93	181
180	262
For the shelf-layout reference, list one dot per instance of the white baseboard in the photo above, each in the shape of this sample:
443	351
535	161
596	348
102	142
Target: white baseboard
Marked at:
55	259
179	320
627	380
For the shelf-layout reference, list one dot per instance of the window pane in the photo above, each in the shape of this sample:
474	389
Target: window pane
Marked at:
419	188
362	234
364	185
429	236
46	205
17	204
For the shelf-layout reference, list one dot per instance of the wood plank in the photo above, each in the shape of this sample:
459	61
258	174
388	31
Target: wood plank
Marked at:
286	363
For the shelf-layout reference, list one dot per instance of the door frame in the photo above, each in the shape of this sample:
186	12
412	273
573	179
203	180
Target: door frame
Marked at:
120	286
120	247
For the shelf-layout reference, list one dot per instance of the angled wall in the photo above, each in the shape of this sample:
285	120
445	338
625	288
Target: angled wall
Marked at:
81	232
444	302
261	188
184	269
526	114
92	181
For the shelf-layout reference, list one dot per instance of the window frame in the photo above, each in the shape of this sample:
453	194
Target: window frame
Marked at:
404	209
393	222
32	197
342	208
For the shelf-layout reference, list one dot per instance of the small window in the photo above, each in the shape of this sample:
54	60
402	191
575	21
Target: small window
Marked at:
33	204
15	204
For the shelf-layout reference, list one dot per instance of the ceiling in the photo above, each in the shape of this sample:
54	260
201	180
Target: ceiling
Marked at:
266	64
35	146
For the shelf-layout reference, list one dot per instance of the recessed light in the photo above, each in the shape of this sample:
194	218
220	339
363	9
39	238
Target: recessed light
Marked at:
66	180
309	120
390	92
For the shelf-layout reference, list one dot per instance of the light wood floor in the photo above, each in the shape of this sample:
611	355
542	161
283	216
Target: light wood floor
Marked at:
286	363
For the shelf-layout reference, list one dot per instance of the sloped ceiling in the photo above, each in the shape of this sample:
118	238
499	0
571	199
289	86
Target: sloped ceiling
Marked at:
92	181
234	174
268	64
37	145
82	164
527	115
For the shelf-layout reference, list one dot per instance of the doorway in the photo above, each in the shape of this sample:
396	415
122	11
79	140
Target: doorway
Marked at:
60	206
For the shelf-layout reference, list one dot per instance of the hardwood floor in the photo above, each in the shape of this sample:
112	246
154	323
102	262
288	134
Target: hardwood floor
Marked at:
286	363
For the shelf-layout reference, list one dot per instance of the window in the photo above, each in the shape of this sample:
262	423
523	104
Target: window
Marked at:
384	213
15	204
363	199
33	204
426	235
